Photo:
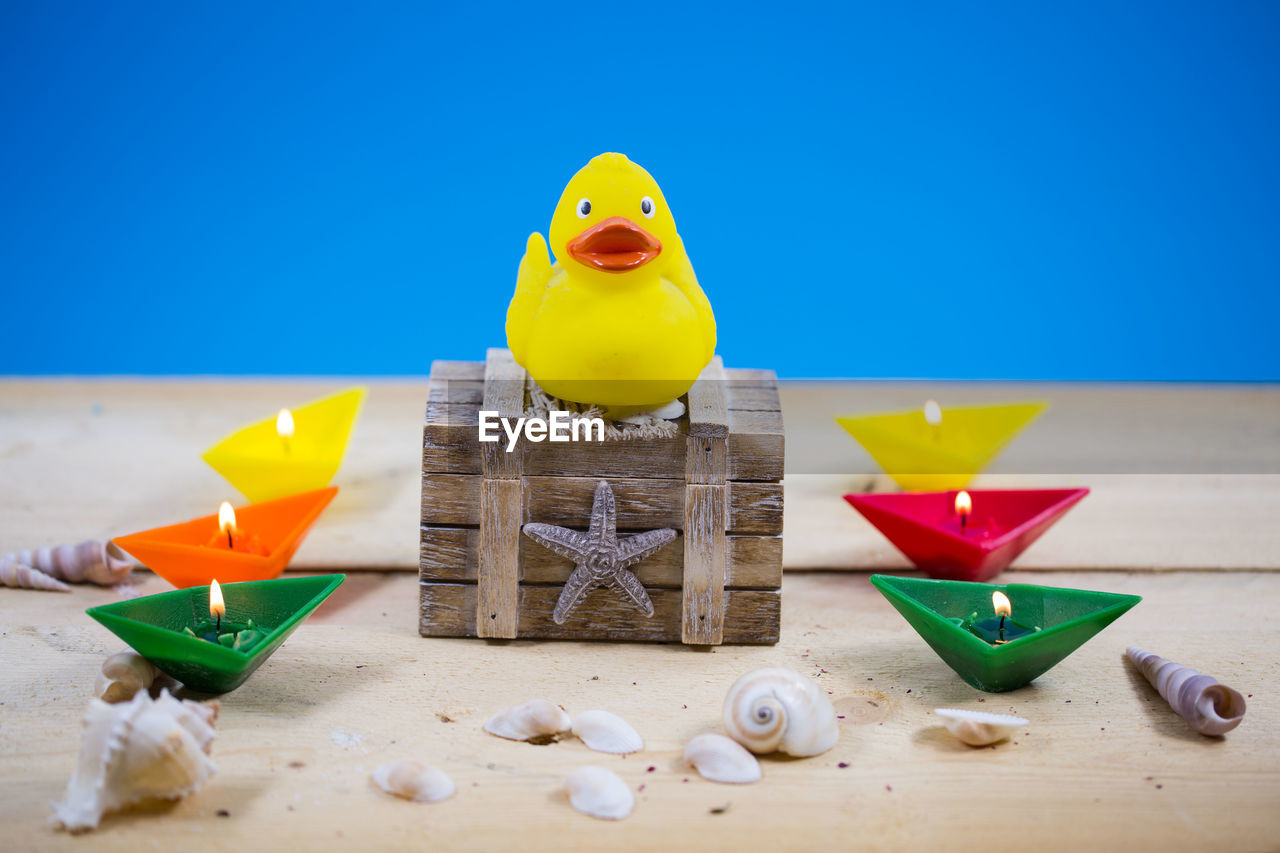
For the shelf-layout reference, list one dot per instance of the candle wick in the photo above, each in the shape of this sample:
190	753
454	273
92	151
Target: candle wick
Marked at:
229	545
1002	627
218	628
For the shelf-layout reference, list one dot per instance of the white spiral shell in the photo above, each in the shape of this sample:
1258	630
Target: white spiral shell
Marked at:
92	560
22	576
1208	707
138	750
779	710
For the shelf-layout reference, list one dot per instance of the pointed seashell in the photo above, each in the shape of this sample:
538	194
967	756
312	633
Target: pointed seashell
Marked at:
92	560
600	793
414	780
123	675
722	759
22	576
530	720
1211	708
140	750
606	732
978	728
778	709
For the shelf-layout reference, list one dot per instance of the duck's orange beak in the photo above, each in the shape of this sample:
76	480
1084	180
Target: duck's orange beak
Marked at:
615	244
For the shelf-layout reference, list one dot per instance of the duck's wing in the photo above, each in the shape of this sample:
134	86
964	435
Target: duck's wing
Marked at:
679	271
531	283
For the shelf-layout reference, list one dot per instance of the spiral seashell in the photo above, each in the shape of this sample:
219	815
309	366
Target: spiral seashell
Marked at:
606	732
979	728
721	759
92	560
139	750
413	780
22	576
779	710
599	793
532	720
123	675
1210	708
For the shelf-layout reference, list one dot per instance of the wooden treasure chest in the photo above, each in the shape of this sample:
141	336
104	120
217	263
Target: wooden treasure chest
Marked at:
713	477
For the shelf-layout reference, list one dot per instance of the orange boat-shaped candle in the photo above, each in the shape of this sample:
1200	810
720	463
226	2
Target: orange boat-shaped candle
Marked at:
937	449
231	537
292	451
254	542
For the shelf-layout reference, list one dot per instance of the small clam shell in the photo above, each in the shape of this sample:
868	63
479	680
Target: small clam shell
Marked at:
123	675
779	710
600	793
978	728
606	732
528	720
413	780
722	759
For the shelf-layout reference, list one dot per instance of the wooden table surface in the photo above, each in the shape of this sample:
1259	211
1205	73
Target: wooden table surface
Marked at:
1184	477
1103	764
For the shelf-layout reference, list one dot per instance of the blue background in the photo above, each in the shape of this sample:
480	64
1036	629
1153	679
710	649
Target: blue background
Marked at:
1004	190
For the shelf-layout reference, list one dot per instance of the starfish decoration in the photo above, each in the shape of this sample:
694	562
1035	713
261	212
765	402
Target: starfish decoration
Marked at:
600	557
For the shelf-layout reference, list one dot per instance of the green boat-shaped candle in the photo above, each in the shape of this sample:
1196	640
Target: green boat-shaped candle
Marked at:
1000	637
211	649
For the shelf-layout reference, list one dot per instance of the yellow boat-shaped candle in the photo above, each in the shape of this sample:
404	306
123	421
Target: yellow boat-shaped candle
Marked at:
936	449
293	451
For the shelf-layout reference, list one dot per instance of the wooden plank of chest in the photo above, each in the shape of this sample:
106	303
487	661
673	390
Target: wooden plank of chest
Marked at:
754	451
451	554
751	615
643	504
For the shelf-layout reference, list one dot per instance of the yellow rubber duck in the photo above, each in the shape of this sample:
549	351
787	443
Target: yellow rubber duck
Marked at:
619	321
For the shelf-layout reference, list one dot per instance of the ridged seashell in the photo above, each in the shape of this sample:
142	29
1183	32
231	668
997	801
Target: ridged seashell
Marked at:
979	728
22	576
530	720
606	732
779	710
722	759
140	750
600	793
414	780
92	560
123	675
1211	708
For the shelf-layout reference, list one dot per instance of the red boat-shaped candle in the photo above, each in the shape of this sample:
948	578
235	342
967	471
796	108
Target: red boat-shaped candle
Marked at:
966	535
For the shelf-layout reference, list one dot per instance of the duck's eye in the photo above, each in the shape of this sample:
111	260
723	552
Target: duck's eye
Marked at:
584	208
646	207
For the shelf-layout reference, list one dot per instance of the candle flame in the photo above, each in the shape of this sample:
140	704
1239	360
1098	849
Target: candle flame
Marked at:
964	503
217	607
226	518
932	413
1000	602
284	424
